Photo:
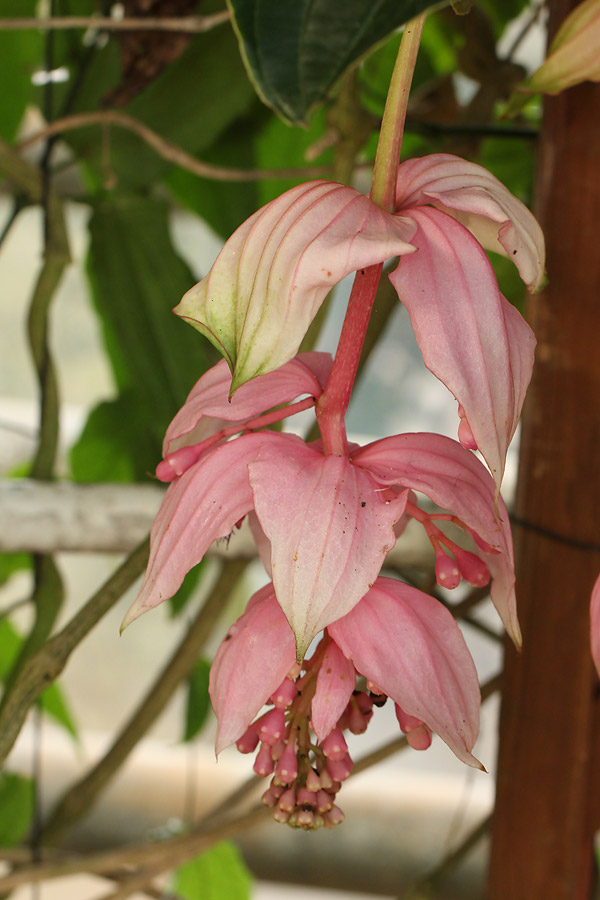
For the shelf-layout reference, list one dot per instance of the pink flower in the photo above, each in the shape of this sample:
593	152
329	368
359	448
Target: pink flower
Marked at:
405	644
327	521
272	275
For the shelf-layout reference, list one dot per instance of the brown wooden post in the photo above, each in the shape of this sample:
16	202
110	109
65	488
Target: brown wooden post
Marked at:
548	793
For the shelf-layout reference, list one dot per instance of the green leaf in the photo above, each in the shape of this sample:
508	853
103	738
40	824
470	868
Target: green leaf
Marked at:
10	644
17	804
179	601
191	103
117	444
219	874
137	277
20	56
53	703
223	205
295	50
11	563
198	702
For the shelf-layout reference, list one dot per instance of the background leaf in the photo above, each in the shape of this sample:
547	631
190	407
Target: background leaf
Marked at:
198	701
218	874
52	701
16	803
20	57
137	277
295	50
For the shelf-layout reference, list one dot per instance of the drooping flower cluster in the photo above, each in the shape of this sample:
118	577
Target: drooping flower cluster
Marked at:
324	519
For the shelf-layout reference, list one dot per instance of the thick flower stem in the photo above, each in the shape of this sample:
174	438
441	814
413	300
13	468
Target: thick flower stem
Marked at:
332	406
333	403
387	158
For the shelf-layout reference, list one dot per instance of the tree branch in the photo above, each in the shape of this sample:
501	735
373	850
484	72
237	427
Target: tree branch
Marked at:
80	796
45	665
164	148
185	24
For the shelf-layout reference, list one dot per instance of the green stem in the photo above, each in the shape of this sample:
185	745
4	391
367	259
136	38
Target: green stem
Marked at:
383	188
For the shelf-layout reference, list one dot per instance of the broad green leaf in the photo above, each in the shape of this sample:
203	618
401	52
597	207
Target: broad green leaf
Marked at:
219	874
137	277
20	57
52	702
190	103
198	702
279	145
295	50
16	805
223	205
118	442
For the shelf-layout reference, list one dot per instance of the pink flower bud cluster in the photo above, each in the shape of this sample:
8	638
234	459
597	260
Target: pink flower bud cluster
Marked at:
307	774
452	563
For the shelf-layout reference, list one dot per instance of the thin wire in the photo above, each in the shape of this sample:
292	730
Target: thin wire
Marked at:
36	774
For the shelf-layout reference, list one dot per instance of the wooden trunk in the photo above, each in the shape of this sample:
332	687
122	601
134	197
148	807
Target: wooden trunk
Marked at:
548	794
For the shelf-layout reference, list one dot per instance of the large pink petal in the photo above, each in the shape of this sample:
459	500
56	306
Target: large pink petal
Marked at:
329	528
454	479
471	338
498	219
595	624
202	505
272	275
409	644
208	407
335	684
250	664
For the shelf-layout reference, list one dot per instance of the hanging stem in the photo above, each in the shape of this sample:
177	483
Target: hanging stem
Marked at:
332	406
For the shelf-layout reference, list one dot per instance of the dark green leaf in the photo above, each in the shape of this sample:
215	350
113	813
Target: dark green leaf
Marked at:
198	703
219	874
117	443
53	703
295	50
221	204
179	601
20	57
17	804
137	277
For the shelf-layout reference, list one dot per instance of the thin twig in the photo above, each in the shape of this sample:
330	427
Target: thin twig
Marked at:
433	880
185	24
401	743
524	31
80	796
45	665
166	149
160	856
